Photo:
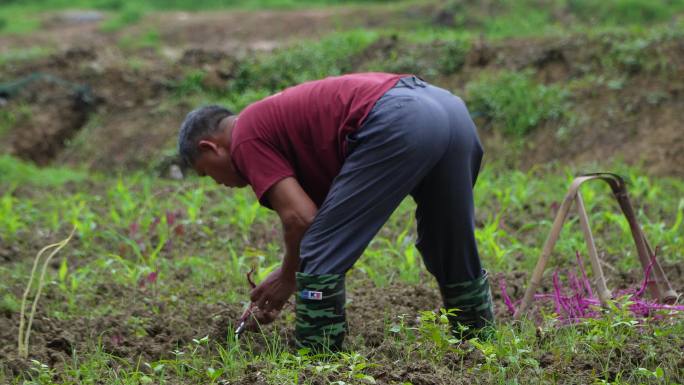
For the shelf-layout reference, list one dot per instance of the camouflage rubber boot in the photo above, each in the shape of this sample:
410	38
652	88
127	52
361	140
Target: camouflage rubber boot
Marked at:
474	310
321	323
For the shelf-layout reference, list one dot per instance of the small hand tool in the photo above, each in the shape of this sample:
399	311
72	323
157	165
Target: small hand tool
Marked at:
242	322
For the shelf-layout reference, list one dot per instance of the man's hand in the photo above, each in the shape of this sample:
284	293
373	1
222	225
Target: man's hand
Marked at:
272	294
296	211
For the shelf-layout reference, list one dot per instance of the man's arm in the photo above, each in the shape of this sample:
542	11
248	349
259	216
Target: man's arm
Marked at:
296	211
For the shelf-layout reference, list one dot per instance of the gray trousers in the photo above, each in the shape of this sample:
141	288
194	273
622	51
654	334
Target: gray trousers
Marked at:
419	140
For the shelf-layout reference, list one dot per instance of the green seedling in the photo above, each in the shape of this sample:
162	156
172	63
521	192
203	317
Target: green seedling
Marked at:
10	216
244	214
67	283
193	200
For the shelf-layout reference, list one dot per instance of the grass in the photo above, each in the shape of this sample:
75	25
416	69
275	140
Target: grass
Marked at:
13	56
148	39
620	12
498	19
22	18
19	19
22	173
430	54
129	15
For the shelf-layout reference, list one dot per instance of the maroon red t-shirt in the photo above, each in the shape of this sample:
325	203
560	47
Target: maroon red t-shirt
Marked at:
301	131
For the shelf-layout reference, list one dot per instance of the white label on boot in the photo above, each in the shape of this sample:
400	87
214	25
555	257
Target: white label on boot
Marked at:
315	295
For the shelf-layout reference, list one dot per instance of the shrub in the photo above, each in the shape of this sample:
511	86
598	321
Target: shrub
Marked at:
192	82
303	62
453	56
125	17
514	101
428	58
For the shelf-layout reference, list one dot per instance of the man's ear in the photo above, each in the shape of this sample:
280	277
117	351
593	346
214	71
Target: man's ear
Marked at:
207	145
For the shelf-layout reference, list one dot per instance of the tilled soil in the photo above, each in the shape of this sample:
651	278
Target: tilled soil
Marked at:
165	326
142	326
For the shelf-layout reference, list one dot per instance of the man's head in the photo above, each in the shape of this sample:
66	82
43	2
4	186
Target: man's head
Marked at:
204	144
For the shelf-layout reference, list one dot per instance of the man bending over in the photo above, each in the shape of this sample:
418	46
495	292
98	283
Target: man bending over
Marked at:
334	158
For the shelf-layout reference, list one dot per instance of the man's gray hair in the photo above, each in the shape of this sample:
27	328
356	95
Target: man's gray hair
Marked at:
198	124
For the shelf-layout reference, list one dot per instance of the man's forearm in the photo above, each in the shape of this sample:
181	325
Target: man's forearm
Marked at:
293	232
296	211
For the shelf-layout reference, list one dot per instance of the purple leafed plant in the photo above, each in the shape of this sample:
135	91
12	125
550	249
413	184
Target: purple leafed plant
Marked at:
148	279
575	300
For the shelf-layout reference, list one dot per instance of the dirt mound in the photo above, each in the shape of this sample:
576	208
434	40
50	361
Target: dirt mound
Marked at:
79	108
618	125
51	111
623	108
633	117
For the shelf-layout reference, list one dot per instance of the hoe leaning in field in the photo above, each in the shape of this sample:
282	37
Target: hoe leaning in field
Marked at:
334	158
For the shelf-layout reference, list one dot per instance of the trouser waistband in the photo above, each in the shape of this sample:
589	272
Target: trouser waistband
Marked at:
411	81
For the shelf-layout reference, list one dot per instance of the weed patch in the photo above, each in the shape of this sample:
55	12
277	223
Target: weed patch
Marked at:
514	102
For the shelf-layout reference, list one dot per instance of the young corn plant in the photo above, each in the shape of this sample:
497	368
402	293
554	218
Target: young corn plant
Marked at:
84	219
126	207
11	221
671	238
237	265
393	257
67	283
489	243
370	265
244	212
122	270
192	200
403	248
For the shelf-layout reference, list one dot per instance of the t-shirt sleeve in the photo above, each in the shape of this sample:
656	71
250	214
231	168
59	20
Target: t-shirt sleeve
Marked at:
261	165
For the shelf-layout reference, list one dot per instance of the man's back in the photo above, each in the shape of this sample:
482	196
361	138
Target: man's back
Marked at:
302	131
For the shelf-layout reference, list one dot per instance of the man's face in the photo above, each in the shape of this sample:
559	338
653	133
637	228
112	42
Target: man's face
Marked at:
214	161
